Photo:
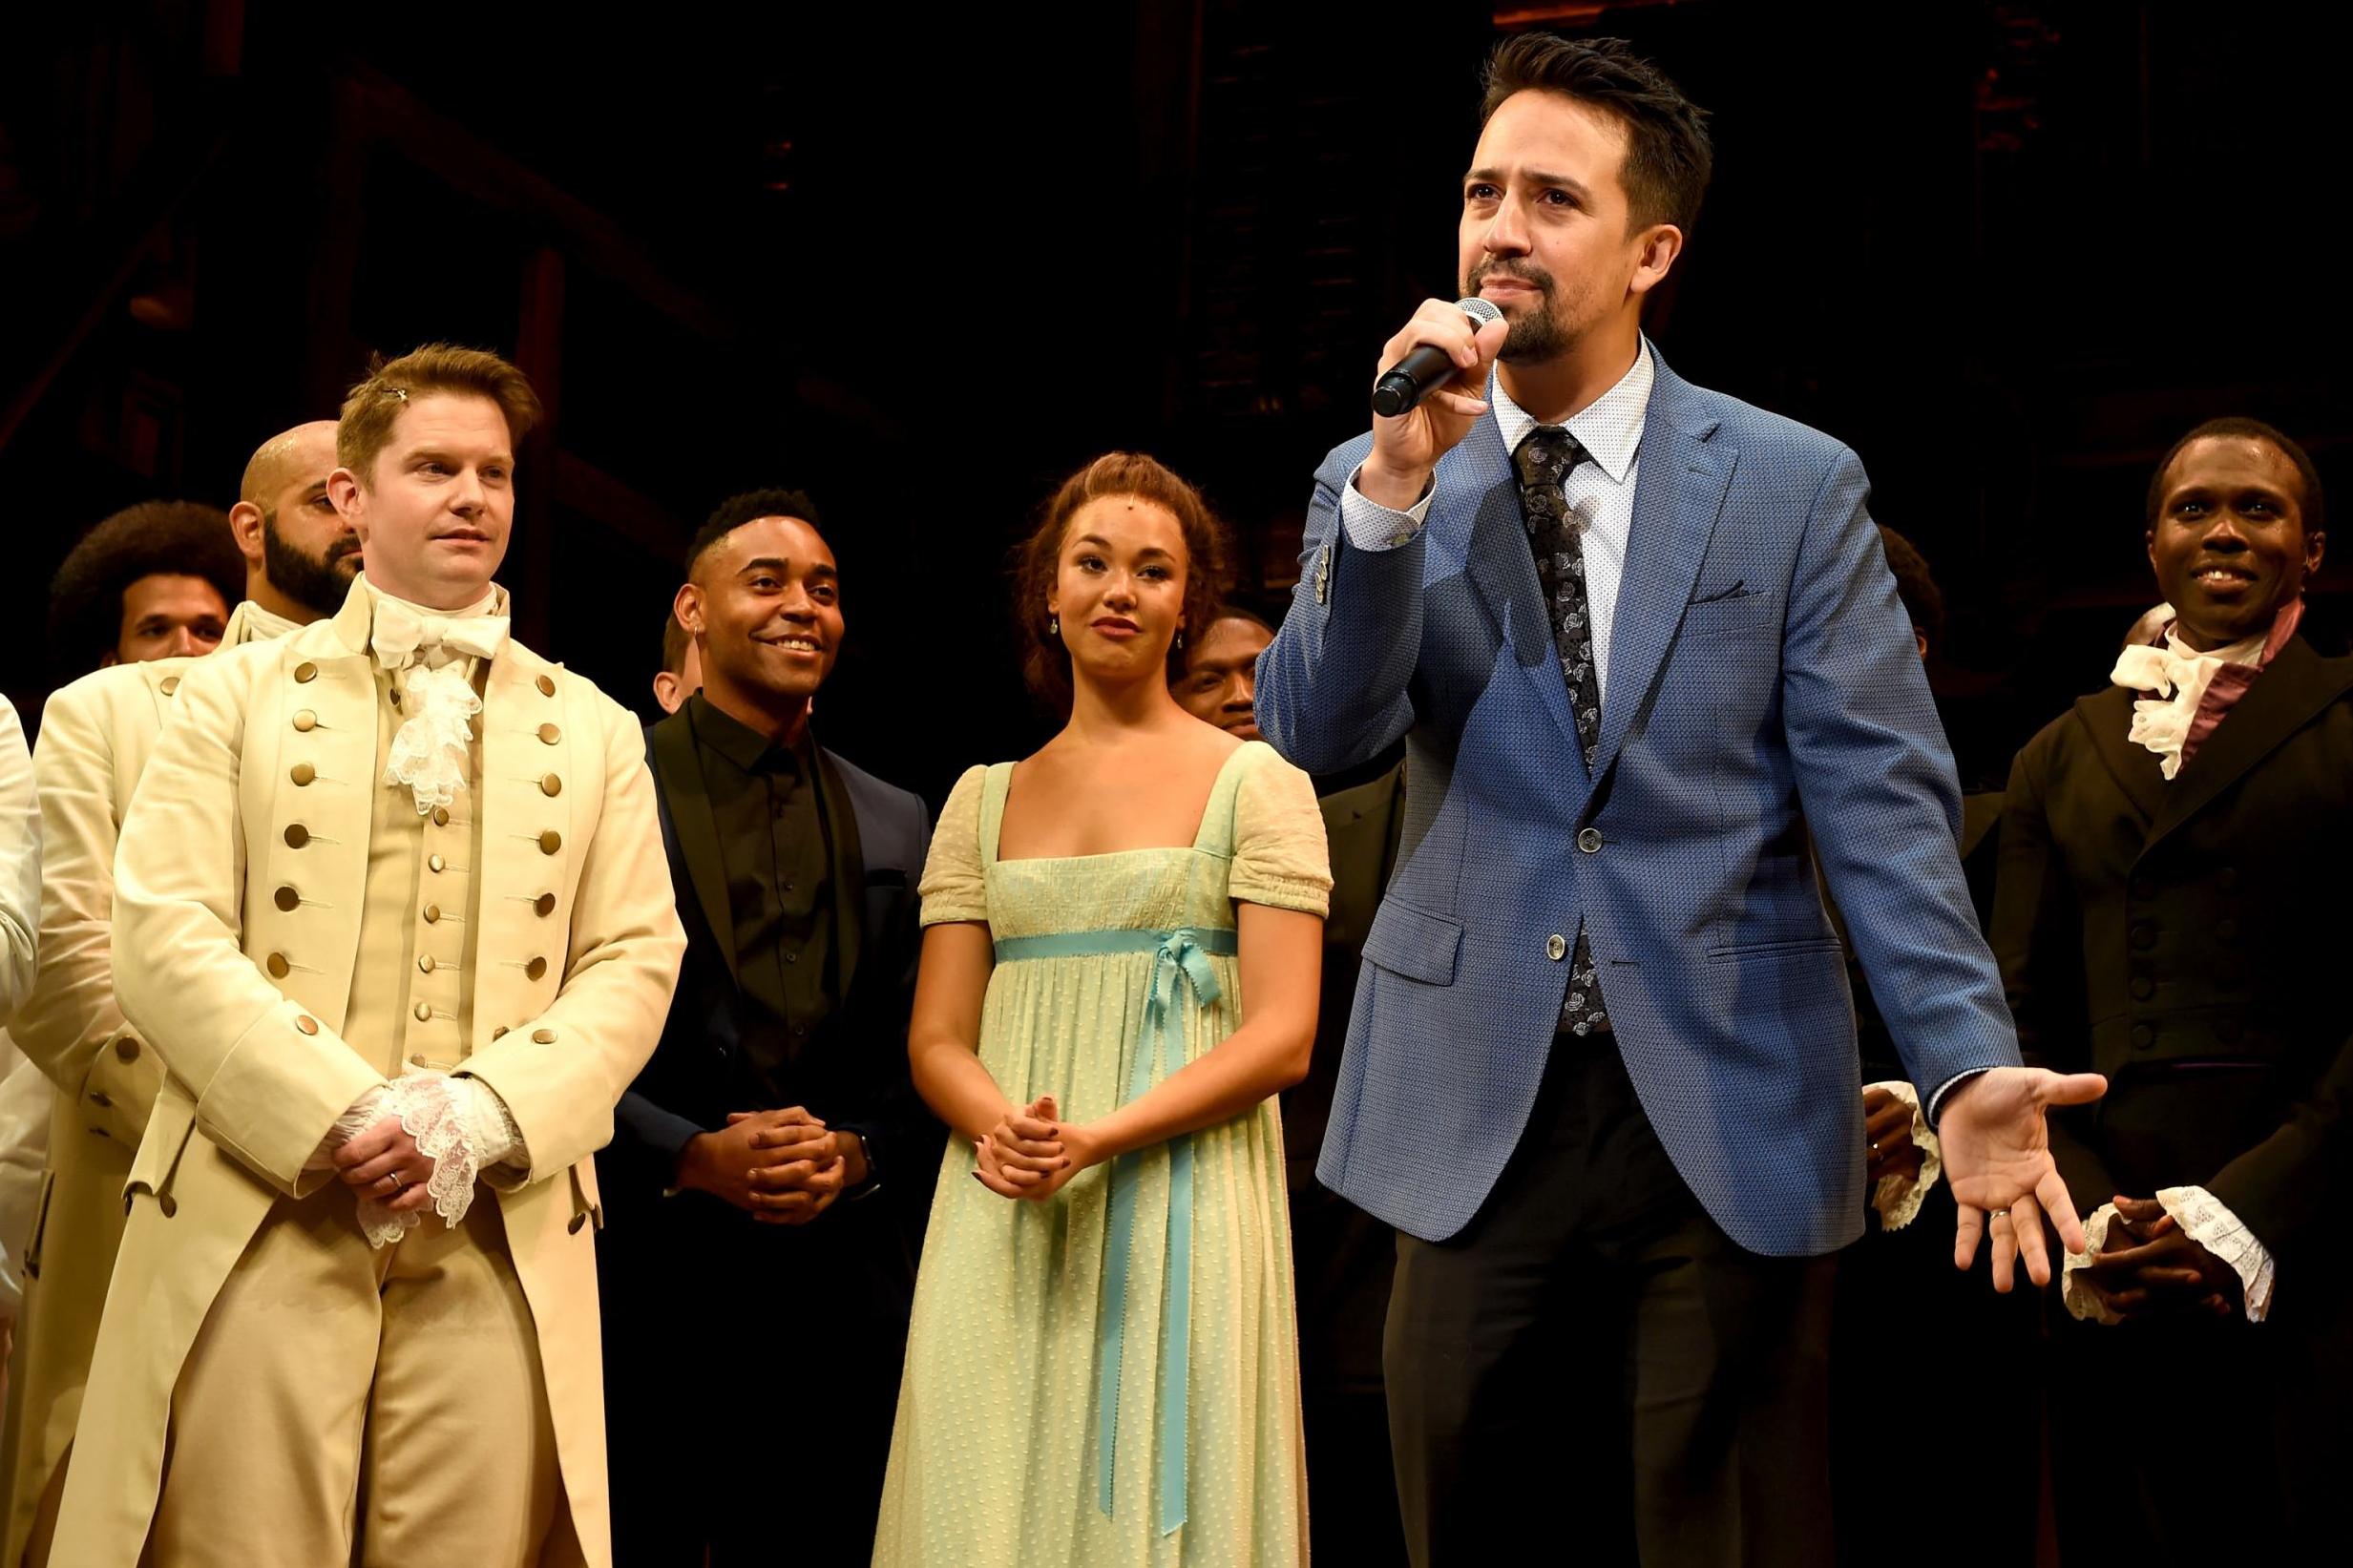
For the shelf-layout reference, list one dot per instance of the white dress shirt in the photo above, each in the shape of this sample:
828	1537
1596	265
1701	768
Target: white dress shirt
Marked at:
1600	493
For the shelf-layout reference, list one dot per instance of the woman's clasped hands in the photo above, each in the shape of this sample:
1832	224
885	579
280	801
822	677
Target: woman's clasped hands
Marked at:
1031	1153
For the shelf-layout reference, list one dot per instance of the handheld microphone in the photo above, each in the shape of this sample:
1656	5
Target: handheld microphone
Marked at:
1407	382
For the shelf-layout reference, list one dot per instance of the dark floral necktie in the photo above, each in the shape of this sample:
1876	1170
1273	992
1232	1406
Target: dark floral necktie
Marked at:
1546	458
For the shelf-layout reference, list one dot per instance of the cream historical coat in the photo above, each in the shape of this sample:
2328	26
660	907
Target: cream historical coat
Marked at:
95	736
263	786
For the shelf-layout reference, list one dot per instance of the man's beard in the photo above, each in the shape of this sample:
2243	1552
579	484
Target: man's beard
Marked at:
1535	335
318	585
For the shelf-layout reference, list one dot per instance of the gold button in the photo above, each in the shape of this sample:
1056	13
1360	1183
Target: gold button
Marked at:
535	969
419	1060
302	774
425	965
550	734
127	1050
574	1227
169	684
305	1023
103	1133
169	1204
551	786
441	816
498	1031
425	1012
435	862
278	965
297	835
546	685
432	912
289	899
98	1099
544	903
305	720
549	842
543	1037
305	673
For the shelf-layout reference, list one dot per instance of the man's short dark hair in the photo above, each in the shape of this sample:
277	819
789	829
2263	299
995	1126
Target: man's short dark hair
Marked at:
2246	429
174	538
1923	600
1668	153
736	511
673	643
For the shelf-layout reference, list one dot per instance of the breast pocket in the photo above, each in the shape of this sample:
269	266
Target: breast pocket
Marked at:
1413	943
1738	613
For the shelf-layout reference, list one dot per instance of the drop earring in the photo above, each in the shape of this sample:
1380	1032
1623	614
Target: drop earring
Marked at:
1180	640
1054	624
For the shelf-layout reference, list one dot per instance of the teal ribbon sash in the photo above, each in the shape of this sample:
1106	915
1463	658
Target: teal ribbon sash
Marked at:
1180	958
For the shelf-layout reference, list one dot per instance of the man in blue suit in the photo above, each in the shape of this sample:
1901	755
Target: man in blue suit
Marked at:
1641	641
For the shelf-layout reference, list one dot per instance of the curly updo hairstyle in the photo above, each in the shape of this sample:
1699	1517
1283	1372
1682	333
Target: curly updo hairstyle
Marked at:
1045	660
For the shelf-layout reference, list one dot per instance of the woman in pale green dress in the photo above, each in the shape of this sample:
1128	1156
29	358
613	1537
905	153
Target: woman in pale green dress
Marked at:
1120	960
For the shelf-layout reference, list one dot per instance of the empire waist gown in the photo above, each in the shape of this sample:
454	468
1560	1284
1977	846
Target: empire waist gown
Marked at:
1111	1375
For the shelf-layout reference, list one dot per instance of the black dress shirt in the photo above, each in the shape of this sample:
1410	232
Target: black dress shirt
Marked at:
772	836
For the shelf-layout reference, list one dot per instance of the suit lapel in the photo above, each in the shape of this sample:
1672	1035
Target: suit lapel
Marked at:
841	825
1498	561
1678	495
2108	716
2298	684
673	750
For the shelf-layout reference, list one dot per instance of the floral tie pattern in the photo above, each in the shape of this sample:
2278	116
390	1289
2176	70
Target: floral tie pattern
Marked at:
1546	458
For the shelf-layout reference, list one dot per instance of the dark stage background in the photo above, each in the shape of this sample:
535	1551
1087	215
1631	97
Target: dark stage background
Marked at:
2006	251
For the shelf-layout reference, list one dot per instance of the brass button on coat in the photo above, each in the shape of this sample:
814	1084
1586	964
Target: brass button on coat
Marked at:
424	1012
533	970
420	1060
436	863
546	685
297	835
127	1050
305	720
289	899
302	774
432	912
574	1227
98	1099
550	734
543	1037
441	816
549	842
544	903
425	965
278	965
1556	946
305	1023
169	1204
169	684
499	1032
305	673
551	786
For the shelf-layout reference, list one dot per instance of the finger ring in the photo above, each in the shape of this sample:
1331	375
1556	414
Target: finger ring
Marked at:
1993	1214
394	1179
1875	1149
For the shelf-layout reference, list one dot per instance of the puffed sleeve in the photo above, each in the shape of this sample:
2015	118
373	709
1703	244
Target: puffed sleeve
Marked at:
1279	858
953	887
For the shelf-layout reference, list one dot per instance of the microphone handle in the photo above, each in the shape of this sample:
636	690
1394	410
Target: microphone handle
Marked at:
1405	384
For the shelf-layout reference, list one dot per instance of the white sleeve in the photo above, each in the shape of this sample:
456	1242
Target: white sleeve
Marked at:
1899	1198
1372	526
20	865
2205	1221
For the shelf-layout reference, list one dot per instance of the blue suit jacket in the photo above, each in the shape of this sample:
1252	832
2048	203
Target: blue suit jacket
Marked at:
1762	680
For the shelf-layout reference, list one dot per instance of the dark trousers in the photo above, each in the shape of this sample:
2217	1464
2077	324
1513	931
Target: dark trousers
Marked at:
751	1375
1592	1362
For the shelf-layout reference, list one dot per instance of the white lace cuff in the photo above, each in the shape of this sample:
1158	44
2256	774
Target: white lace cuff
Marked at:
459	1124
1899	1198
2205	1221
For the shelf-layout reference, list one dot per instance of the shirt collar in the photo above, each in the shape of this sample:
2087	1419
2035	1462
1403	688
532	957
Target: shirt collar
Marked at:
492	603
1609	427
739	743
255	624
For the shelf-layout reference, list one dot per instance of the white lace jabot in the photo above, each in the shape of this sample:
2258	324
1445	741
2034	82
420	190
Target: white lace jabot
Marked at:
428	750
2161	724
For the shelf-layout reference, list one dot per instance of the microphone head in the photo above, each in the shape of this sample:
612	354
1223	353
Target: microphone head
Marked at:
1479	310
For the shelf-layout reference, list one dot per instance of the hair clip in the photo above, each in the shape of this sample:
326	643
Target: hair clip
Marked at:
400	392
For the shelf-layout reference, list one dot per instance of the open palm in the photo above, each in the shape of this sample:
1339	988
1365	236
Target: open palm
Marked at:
1997	1156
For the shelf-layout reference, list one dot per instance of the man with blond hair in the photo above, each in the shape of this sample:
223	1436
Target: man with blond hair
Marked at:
96	737
395	994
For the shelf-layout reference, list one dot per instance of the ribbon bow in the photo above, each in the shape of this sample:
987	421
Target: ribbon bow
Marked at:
403	637
1180	959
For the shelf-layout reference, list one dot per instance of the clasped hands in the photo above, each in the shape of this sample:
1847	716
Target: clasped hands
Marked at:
2149	1267
384	1163
1031	1153
782	1167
